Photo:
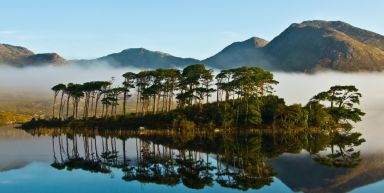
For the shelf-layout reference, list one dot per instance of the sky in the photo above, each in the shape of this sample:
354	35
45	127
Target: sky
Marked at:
86	29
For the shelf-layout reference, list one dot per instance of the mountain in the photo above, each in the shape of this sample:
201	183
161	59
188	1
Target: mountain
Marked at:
365	36
309	46
12	54
46	58
237	54
20	56
317	45
142	58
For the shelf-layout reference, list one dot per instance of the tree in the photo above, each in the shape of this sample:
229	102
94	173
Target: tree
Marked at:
129	82
63	88
74	91
250	83
77	94
207	78
170	86
190	83
68	91
342	101
88	88
293	116
318	116
56	89
224	86
115	95
100	87
143	80
272	108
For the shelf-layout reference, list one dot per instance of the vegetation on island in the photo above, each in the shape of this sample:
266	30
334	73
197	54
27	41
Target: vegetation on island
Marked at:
195	98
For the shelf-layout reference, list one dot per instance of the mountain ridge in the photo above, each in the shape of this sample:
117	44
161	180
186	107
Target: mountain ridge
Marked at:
19	56
141	58
309	46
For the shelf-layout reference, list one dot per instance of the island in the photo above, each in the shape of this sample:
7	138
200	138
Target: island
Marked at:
195	98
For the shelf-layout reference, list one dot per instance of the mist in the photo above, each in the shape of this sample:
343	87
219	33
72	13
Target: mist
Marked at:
39	80
293	87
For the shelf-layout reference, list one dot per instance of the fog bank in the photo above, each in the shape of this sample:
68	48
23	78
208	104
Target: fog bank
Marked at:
41	79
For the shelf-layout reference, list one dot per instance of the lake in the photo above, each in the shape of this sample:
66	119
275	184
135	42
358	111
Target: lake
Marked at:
70	160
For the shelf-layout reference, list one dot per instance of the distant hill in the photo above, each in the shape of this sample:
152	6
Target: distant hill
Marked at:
13	54
46	58
142	58
305	47
245	53
20	56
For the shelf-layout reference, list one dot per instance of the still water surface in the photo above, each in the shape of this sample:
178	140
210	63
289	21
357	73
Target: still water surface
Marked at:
48	160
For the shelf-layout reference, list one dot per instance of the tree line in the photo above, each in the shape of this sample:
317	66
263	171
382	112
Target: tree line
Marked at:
196	97
157	89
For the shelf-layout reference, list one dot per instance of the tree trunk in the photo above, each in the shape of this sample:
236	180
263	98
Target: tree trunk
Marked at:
74	107
247	110
137	101
93	97
68	104
170	101
124	101
61	104
217	97
53	106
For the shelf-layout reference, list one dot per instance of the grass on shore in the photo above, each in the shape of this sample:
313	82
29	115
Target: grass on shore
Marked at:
11	118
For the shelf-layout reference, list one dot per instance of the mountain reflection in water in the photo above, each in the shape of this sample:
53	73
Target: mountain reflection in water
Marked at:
244	160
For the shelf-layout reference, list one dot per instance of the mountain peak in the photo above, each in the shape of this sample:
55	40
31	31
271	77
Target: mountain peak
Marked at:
322	23
315	45
138	50
10	54
362	35
143	58
237	54
44	58
20	56
141	51
16	49
257	42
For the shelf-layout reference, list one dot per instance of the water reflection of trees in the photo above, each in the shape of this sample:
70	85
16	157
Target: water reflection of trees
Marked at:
234	160
341	150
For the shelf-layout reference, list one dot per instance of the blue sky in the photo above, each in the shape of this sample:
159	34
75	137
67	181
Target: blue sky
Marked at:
79	29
